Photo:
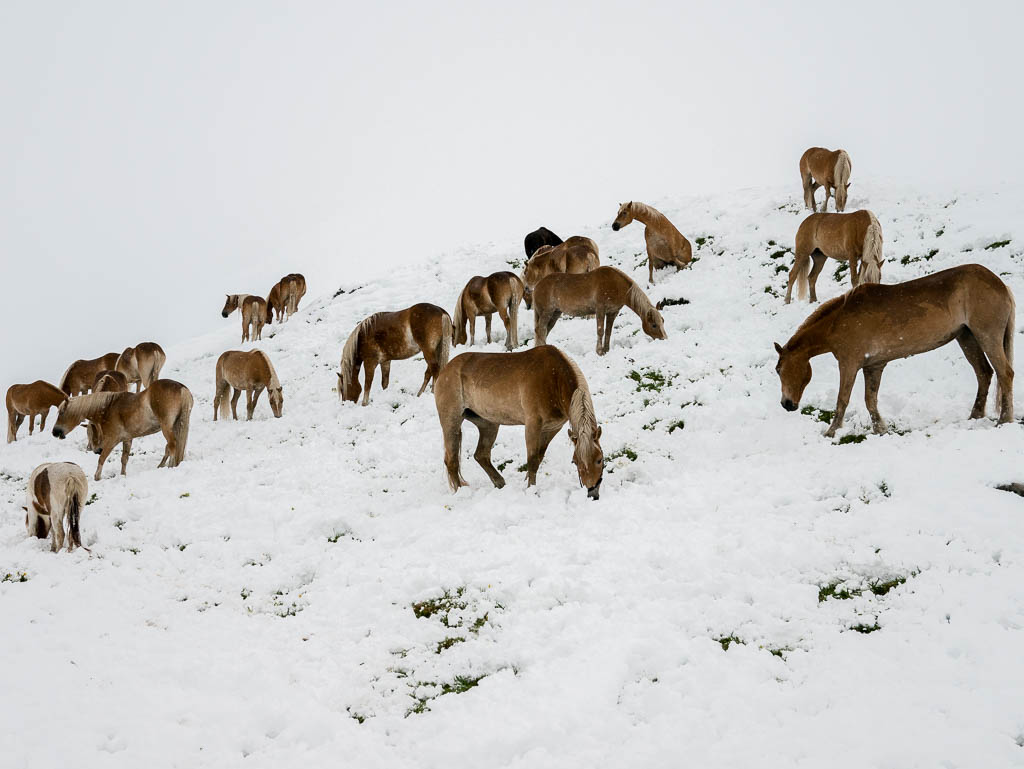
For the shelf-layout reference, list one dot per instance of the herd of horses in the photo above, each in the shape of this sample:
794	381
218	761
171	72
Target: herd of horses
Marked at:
540	388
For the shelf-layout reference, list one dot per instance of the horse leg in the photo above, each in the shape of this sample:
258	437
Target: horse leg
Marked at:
807	181
609	321
171	448
385	374
104	453
245	329
126	451
31	423
234	403
973	352
472	329
828	194
992	346
600	332
248	405
42	420
368	368
482	455
255	397
847	376
650	270
872	379
540	328
854	271
431	373
503	314
812	279
451	429
56	531
537	440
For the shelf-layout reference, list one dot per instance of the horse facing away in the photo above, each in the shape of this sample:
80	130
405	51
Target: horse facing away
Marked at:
820	167
30	400
141	364
249	371
577	254
81	374
57	491
601	292
254	313
388	336
110	382
165	406
542	236
499	292
665	244
283	299
541	388
855	237
874	324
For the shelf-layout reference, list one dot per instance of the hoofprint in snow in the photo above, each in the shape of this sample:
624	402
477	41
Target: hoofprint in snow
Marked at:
746	592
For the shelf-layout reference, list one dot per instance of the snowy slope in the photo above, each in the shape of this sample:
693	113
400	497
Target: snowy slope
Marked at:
255	607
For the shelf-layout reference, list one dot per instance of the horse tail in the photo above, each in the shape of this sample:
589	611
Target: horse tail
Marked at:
444	347
802	268
459	316
871	252
1008	333
181	426
73	493
842	178
12	418
515	296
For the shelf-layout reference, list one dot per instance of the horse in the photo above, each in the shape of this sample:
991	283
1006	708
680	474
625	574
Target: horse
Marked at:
249	371
141	364
254	313
165	406
30	400
855	237
665	244
283	299
110	382
275	304
57	491
540	388
387	336
601	292
82	373
820	167
874	324
500	292
539	237
577	254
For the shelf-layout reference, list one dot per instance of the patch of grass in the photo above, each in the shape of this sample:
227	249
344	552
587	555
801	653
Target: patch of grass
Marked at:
504	464
832	590
879	587
777	651
860	627
336	536
841	270
822	415
523	467
461	684
625	451
119	524
17	576
781	268
852	438
515	264
672	302
356	716
679	424
650	425
441	606
245	593
884	488
931	253
448	643
771	243
997	244
772	291
778	254
884	586
650	380
939	232
729	640
1013	488
184	496
91	499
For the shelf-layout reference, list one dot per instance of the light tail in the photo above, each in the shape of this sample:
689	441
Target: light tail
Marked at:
871	254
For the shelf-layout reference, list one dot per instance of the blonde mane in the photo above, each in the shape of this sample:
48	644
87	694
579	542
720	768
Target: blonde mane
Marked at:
645	213
275	383
636	298
89	406
350	351
581	413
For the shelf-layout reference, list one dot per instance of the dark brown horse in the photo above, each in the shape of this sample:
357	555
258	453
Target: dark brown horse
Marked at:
82	373
542	236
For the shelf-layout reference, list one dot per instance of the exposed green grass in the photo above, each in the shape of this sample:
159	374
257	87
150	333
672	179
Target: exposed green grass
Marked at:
703	240
822	415
841	270
778	254
997	244
184	496
672	302
91	499
781	268
448	643
939	232
860	627
650	380
729	640
679	424
772	291
852	438
441	606
461	684
842	592
625	451
18	576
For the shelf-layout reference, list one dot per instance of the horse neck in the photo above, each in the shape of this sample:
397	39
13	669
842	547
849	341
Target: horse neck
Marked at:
644	213
815	338
636	300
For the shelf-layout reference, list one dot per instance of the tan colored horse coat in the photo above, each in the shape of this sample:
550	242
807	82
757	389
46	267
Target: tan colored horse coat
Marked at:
541	388
820	167
874	324
30	400
388	336
57	491
665	244
249	371
253	310
110	382
141	364
856	238
82	373
601	292
576	254
499	292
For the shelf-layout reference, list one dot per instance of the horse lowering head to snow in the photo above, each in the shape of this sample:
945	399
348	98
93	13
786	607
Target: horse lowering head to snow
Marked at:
577	254
874	324
249	371
665	244
820	167
855	237
30	400
56	494
499	292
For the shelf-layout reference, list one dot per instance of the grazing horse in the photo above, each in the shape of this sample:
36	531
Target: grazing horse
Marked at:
249	371
57	491
141	364
874	324
165	406
30	400
500	292
110	382
665	244
283	299
82	373
855	237
254	313
540	388
577	254
539	237
601	292
820	167
388	336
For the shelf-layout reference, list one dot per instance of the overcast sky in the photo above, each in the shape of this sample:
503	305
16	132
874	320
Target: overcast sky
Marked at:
155	156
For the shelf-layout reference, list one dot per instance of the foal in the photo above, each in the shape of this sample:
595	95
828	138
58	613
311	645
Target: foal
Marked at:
57	492
141	364
855	237
601	292
577	254
665	244
249	371
500	292
254	313
874	324
820	167
30	400
389	336
82	373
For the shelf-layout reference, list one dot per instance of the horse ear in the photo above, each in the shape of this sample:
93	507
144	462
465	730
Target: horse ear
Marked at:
597	433
778	348
572	435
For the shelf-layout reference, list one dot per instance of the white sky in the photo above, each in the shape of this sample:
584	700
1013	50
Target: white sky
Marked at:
155	156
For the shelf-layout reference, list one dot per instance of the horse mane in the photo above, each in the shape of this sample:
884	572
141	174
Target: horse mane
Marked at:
458	317
64	379
581	413
636	298
88	406
275	383
827	308
648	213
350	352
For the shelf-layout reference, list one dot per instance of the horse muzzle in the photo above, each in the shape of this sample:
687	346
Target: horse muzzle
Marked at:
788	405
58	433
615	227
594	492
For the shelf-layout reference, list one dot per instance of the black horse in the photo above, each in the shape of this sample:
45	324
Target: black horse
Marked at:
538	238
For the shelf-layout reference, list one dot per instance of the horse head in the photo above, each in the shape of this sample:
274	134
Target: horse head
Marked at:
589	460
276	397
624	217
654	324
794	370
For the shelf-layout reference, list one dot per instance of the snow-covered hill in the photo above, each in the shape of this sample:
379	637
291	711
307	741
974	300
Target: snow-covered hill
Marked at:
307	591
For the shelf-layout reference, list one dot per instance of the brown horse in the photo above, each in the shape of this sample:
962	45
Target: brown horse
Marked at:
57	491
165	406
275	304
601	292
30	400
141	364
500	292
283	299
254	313
541	388
388	336
820	167
249	371
665	244
577	254
110	382
81	374
855	237
874	324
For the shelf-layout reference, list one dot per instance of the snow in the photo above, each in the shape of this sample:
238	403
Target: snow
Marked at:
254	607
